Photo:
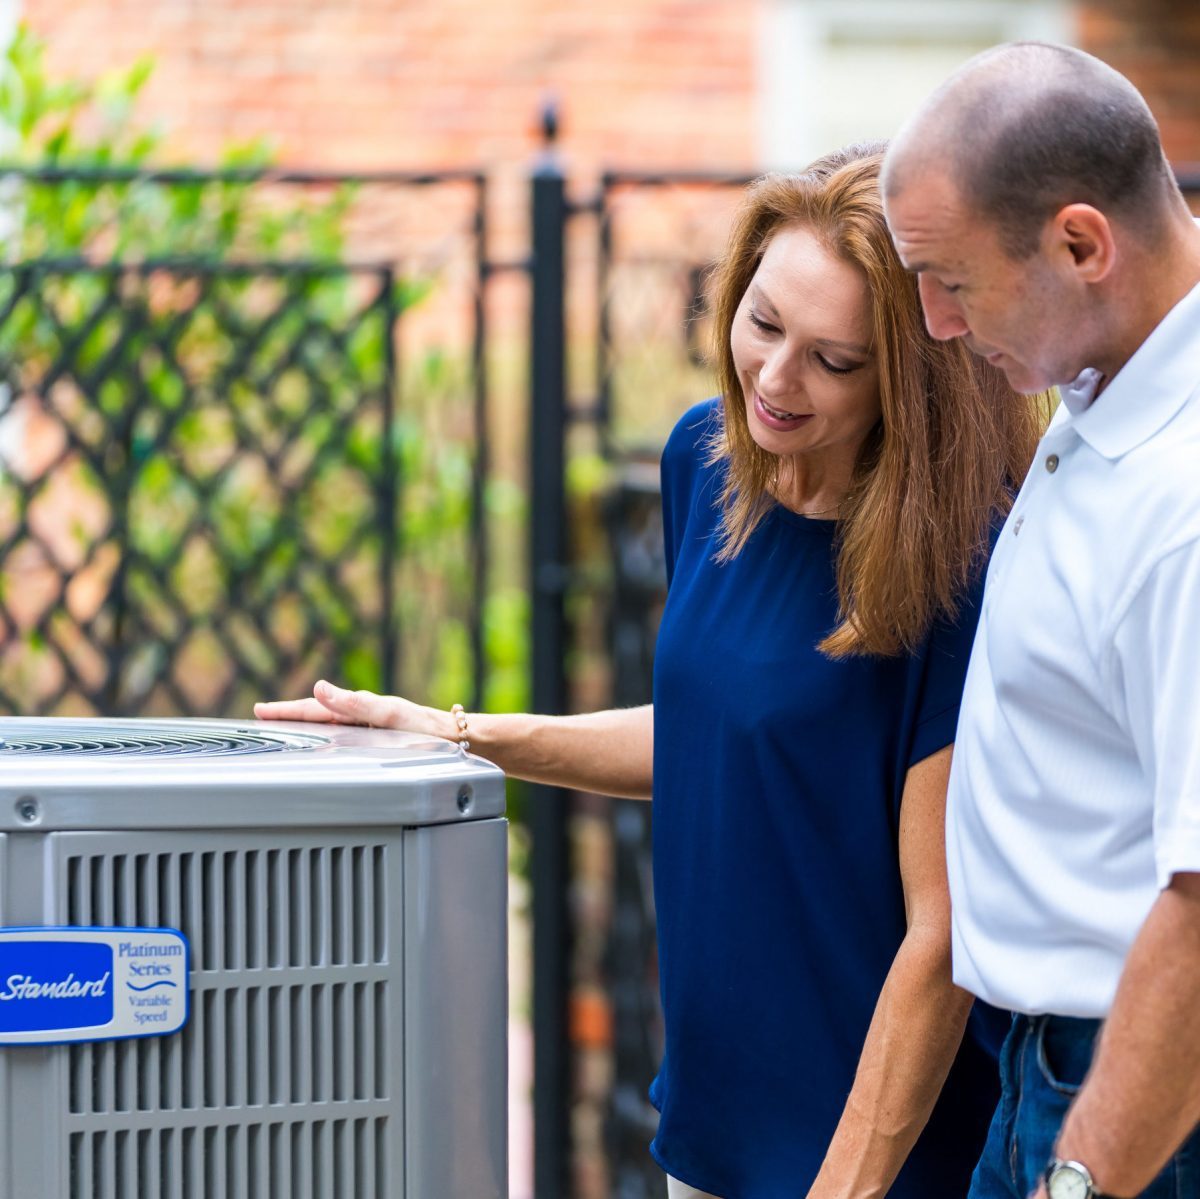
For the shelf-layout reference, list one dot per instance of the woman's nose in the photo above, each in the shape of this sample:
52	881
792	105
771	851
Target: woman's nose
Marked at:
778	375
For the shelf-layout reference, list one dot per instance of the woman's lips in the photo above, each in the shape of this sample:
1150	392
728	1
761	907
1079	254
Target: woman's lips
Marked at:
776	418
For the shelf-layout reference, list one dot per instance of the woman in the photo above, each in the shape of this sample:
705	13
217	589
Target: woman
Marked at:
826	523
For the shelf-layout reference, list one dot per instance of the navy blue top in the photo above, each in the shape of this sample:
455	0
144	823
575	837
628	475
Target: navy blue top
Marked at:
778	774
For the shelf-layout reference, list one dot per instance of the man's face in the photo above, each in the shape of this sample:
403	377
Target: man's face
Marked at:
1016	314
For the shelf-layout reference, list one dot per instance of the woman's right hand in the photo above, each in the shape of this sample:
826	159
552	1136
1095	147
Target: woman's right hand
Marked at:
336	705
608	752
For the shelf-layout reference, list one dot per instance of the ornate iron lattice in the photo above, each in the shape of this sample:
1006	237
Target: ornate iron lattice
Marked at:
215	488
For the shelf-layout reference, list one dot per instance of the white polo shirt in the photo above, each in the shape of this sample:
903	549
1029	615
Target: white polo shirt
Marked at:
1075	790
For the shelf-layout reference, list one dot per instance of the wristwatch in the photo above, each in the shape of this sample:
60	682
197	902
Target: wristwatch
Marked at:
1070	1180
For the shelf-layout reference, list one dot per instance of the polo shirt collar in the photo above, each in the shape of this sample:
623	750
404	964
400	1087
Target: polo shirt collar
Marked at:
1146	392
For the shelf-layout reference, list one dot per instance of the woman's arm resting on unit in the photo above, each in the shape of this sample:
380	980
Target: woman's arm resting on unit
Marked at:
607	752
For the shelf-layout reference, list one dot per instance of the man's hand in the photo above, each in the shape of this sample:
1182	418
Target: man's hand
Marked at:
1141	1098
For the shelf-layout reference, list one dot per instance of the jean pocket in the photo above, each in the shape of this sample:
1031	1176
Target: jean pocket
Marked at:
1064	1052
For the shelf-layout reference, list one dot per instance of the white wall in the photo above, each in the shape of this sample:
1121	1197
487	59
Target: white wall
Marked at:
834	71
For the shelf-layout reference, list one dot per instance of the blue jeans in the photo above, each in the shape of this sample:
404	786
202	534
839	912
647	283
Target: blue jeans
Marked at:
1042	1065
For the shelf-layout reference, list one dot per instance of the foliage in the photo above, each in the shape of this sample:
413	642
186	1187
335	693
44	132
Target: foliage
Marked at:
214	388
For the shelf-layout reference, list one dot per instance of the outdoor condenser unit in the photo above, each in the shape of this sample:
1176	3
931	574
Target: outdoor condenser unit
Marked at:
339	894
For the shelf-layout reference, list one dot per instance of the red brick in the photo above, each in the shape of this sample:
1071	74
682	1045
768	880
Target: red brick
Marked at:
1156	45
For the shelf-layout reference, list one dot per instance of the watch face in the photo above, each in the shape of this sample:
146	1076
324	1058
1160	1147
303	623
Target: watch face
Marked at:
1066	1182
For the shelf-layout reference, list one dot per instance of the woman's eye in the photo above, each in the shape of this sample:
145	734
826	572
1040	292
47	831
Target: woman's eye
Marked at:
835	370
759	323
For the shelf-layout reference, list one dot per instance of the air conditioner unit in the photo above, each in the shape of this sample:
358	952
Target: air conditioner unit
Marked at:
341	894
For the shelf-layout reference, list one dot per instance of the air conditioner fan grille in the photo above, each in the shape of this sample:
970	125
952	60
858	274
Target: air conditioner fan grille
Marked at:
149	742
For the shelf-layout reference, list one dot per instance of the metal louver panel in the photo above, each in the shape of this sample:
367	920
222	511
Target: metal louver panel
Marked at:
288	1079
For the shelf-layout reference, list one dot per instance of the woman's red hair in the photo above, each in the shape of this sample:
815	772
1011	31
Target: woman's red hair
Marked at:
952	445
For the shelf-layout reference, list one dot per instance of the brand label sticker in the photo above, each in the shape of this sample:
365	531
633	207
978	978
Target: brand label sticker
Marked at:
91	984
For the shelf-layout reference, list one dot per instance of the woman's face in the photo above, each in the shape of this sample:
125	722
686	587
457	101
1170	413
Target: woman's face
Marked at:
801	343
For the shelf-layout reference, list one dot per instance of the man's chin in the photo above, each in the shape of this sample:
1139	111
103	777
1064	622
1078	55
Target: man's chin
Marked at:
1021	378
1026	384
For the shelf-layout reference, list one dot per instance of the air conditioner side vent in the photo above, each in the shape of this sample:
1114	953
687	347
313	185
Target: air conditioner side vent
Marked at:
289	1067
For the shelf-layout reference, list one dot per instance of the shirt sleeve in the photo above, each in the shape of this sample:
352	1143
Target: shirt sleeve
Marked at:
669	484
678	471
1157	648
945	673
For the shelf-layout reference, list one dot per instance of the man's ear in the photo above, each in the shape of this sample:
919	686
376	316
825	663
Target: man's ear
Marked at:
1079	240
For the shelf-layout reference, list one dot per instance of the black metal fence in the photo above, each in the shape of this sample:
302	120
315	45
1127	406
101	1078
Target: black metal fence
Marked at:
646	242
218	477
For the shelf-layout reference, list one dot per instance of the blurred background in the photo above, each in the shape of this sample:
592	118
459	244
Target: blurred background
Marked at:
338	338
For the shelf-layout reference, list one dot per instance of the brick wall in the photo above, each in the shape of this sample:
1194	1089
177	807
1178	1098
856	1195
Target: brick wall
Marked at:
1156	44
426	83
398	83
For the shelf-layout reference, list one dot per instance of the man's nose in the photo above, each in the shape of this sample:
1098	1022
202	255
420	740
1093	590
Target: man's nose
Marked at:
943	317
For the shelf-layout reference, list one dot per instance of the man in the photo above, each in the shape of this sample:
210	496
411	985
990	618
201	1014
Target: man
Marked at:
1031	197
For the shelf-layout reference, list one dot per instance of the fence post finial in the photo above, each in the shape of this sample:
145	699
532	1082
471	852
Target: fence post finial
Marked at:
548	120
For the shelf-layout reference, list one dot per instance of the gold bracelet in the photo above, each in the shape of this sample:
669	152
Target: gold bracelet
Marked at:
460	719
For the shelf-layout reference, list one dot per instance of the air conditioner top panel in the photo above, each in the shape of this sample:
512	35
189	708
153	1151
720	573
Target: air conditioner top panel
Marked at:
106	774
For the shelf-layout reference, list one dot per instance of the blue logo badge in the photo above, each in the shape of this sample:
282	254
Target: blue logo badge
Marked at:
91	984
55	985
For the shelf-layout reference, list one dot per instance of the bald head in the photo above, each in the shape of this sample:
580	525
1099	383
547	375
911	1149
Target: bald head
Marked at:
1025	129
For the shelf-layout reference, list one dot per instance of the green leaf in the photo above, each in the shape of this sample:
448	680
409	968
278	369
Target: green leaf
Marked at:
361	669
138	75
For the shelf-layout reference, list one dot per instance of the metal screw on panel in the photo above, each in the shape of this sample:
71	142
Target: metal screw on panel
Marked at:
28	810
464	800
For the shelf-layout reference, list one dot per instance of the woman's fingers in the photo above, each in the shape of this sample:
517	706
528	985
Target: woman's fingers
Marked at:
294	709
359	707
336	705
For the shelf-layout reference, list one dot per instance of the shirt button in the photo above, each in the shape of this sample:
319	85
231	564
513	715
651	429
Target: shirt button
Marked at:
1052	463
1017	526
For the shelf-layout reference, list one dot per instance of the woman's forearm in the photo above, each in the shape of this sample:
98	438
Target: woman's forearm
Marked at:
911	1043
609	752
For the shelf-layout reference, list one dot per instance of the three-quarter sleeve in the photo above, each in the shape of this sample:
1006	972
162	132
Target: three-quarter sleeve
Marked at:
681	459
944	674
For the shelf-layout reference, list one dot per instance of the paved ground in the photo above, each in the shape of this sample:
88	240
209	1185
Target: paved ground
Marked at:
520	1044
520	1112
